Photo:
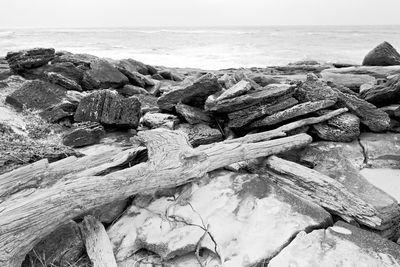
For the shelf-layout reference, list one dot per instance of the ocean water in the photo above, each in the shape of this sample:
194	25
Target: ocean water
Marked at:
211	48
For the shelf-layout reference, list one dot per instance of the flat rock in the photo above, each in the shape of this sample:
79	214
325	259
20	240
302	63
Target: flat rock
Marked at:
245	116
292	112
200	134
37	95
314	89
83	134
372	117
267	94
341	161
103	74
227	81
193	94
262	79
352	81
63	248
339	245
132	65
342	128
382	55
160	120
374	71
238	89
381	150
109	108
385	93
193	115
28	59
170	75
249	220
136	78
62	81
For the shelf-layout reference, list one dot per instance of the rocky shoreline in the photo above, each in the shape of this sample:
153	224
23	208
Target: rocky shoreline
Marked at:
306	204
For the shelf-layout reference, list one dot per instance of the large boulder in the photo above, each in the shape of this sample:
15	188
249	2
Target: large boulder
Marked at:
109	108
37	95
382	55
342	128
103	74
339	245
29	59
83	134
246	218
191	93
132	65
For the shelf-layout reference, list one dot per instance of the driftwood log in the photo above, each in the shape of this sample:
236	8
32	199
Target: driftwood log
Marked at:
97	243
68	188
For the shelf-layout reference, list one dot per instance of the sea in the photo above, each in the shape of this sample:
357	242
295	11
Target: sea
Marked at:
210	47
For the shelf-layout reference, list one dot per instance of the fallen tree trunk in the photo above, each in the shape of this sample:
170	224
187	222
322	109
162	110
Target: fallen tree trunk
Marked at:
97	243
28	215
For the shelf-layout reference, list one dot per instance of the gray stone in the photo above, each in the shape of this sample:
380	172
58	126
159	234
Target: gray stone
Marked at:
131	90
193	115
102	74
132	65
200	134
84	134
28	59
238	89
385	93
160	120
62	81
342	128
382	55
314	89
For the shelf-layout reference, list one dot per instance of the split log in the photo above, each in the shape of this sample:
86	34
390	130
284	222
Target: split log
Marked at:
322	190
97	243
28	215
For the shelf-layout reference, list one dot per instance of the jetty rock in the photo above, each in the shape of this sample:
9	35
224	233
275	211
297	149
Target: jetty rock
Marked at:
382	55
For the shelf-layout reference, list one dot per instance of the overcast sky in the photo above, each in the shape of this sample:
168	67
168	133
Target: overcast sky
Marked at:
131	13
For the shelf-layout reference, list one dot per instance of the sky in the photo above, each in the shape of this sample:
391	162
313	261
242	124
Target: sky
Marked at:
154	13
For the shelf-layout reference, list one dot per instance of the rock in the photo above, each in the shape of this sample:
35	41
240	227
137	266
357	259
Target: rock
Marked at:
352	81
314	89
375	71
343	65
193	94
268	94
365	87
59	111
381	150
63	248
108	213
84	134
28	59
82	60
342	162
102	74
200	134
384	94
376	120
245	116
38	95
293	112
109	108
5	70
66	69
131	90
392	110
157	77
342	128
135	78
339	245
238	210
227	81
382	55
262	79
132	65
62	81
160	120
193	115
148	103
238	89
170	75
155	89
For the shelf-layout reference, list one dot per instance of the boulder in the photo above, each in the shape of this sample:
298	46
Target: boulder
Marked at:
170	75
160	120
372	117
135	78
102	74
148	103
262	79
265	95
381	150
131	90
200	134
237	210
238	89
132	65
313	89
62	81
63	248
382	55
84	134
193	115
292	112
59	111
109	108
245	116
29	59
385	93
352	81
82	60
37	95
342	128
227	81
191	93
339	245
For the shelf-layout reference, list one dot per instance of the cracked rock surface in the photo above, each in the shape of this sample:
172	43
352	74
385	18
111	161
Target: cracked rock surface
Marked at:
240	219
